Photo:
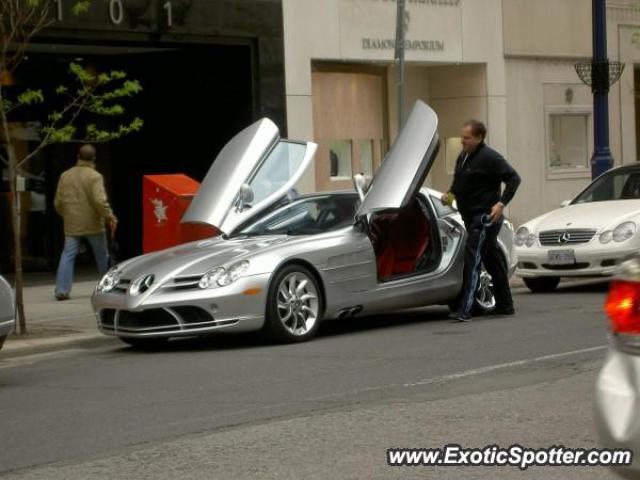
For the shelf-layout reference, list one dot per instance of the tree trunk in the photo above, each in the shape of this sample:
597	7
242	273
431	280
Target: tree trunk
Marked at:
15	217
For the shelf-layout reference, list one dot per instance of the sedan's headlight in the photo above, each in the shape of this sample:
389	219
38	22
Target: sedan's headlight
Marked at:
624	231
109	281
531	239
210	279
522	236
233	273
606	237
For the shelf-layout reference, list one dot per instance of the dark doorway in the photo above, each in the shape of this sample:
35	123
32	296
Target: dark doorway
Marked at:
195	99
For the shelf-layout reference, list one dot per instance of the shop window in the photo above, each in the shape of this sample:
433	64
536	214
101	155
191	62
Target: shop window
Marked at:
366	157
568	141
340	158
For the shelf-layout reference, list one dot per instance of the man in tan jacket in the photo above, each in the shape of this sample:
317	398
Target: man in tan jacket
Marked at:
82	202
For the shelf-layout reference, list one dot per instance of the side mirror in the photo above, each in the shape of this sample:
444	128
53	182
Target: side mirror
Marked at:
360	184
246	196
565	203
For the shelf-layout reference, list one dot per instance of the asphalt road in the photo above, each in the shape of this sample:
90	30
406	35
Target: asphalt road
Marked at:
77	405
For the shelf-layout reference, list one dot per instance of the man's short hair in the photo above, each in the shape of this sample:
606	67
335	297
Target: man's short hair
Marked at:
87	152
477	128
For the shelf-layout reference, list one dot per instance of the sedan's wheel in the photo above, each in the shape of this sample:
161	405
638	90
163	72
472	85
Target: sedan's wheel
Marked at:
294	305
145	343
485	300
2	339
542	284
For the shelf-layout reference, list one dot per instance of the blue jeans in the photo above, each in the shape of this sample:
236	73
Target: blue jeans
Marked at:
66	267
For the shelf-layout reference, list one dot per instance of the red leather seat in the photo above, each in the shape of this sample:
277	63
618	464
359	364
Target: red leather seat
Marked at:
402	239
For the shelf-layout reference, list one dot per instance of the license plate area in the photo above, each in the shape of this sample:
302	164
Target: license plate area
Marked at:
562	257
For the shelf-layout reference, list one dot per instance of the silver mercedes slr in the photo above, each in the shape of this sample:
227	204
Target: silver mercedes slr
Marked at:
283	262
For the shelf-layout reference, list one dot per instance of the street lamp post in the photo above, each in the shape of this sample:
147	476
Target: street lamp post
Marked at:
602	159
399	54
600	74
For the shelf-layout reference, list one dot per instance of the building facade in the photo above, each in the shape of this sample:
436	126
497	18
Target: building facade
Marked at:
508	63
208	68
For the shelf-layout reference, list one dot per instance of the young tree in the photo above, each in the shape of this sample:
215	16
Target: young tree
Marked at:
90	94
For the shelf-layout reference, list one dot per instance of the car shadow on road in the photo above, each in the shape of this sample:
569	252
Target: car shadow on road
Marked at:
573	287
364	323
328	329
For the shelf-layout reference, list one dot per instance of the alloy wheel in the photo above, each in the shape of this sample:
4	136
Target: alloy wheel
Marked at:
297	303
484	295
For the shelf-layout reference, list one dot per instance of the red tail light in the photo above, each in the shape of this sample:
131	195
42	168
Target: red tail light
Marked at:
623	306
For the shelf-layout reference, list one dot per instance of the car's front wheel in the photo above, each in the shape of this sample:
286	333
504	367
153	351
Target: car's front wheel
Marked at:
542	284
2	339
145	343
294	305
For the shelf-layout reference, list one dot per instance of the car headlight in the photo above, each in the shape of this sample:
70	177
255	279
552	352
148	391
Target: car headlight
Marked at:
210	279
531	239
624	231
233	273
522	236
221	277
109	281
606	237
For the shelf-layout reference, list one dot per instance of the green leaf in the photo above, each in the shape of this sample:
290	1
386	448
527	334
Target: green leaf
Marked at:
61	89
80	73
29	97
60	135
55	117
80	7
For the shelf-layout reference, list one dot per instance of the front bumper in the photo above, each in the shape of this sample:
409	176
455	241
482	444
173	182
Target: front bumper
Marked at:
239	307
617	417
591	260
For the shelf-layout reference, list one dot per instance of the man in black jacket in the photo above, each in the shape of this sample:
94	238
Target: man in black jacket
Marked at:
476	186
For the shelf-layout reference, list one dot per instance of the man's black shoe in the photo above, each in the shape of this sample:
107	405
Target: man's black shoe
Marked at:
460	316
505	312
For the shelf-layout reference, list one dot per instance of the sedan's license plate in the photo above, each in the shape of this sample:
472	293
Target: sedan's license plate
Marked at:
562	257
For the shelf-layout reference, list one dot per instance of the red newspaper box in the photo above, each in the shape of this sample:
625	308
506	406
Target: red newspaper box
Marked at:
165	198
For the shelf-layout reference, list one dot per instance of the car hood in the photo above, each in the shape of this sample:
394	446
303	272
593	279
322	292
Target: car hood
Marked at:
195	258
596	215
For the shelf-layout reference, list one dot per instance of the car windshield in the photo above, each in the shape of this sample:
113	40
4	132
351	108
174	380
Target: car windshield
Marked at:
305	216
617	185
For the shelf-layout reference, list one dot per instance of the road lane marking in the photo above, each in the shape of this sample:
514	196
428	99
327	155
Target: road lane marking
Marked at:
501	366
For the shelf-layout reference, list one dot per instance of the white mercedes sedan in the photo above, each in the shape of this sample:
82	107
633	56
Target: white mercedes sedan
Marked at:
585	238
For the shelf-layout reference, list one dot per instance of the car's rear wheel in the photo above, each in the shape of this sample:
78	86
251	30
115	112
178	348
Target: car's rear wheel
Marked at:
542	284
485	300
2	339
294	305
145	343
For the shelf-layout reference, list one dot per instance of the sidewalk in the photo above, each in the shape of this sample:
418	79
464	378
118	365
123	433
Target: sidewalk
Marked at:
53	325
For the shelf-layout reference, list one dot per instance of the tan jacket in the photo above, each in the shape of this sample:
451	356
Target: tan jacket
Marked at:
82	201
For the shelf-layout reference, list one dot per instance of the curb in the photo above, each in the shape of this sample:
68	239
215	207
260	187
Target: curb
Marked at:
17	347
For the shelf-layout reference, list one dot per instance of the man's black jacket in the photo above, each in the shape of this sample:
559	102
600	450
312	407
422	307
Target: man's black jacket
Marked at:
477	181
